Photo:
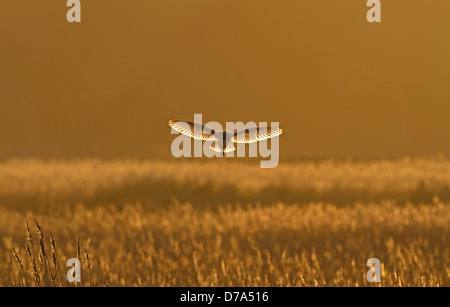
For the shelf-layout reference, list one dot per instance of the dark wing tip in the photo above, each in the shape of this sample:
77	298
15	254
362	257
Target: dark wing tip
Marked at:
173	121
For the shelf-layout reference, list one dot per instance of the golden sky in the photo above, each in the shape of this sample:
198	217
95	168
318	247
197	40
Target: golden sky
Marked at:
338	85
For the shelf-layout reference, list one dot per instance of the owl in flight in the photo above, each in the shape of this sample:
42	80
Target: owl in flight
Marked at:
223	140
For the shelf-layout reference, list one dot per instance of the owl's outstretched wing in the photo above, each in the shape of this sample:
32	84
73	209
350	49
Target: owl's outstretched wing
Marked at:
255	134
194	130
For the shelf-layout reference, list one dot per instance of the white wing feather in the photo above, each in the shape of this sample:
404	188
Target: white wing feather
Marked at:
194	130
255	134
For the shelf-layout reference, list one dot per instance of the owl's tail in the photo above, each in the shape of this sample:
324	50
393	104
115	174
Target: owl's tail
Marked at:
230	147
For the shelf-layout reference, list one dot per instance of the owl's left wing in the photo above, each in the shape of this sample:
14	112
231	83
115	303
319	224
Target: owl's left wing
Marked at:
255	134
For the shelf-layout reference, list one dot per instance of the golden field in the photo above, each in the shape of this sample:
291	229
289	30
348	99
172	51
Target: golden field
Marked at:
225	223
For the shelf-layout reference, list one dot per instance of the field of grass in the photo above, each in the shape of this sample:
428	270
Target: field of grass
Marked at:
225	223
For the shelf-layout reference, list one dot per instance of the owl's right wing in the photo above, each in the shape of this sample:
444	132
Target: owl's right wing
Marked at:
194	130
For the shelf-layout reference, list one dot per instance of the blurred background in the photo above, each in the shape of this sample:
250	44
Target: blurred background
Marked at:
338	85
85	146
